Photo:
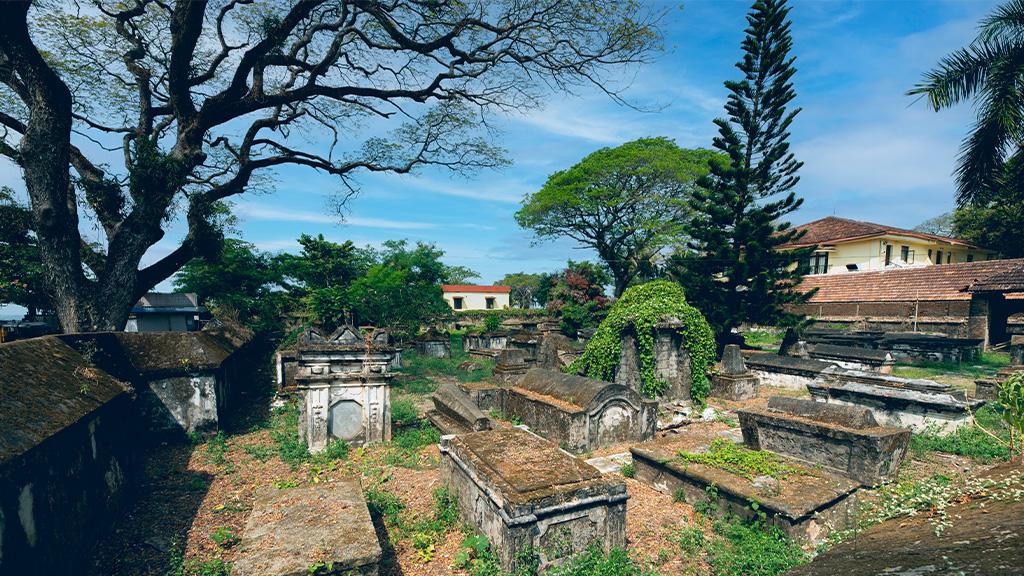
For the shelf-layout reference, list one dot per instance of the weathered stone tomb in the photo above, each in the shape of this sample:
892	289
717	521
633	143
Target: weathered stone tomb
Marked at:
523	493
580	414
434	344
344	381
733	382
291	532
286	363
787	372
672	361
455	412
844	439
852	357
807	504
511	365
1017	349
898	402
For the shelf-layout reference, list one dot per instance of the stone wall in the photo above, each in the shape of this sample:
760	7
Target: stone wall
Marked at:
784	371
672	362
68	456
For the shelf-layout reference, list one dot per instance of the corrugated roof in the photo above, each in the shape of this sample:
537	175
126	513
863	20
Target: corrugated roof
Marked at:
832	229
46	386
477	289
945	282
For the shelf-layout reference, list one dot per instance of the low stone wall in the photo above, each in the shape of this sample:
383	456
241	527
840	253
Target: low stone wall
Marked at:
291	532
898	402
853	357
434	348
524	494
784	371
68	456
807	505
844	439
487	341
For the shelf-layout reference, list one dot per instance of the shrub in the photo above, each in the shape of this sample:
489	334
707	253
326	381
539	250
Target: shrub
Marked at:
492	322
971	441
1011	404
641	307
739	460
285	434
335	450
752	549
690	539
404	412
628	470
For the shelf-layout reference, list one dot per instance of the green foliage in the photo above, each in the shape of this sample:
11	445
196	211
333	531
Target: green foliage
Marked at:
404	412
1010	400
209	567
524	287
476	558
595	562
335	450
995	225
733	268
628	470
970	441
285	434
737	459
385	505
430	531
627	203
423	368
224	536
21	274
690	539
576	295
641	307
492	322
764	338
217	448
260	453
752	549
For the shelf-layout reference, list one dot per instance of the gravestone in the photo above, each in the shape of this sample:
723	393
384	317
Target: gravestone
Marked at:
787	372
580	414
734	382
1017	349
434	344
455	412
292	531
510	365
343	381
525	494
852	357
845	439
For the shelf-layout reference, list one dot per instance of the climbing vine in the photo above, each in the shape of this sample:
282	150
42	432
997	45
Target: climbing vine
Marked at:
640	308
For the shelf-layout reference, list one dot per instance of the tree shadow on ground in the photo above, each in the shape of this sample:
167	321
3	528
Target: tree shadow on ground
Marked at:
389	558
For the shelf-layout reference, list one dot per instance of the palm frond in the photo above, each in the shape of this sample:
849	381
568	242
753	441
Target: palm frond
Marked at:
964	73
1006	22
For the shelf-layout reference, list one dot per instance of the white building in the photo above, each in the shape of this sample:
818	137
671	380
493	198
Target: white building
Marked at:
467	297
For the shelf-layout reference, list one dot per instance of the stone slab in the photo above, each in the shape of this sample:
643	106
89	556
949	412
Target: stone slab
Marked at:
787	372
806	506
843	439
292	529
523	493
732	361
456	412
734	387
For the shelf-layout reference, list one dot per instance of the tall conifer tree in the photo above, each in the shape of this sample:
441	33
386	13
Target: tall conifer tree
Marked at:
733	271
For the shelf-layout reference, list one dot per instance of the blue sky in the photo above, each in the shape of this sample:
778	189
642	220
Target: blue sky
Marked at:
870	152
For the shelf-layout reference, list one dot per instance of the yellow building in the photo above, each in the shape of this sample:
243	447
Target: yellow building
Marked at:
468	297
852	246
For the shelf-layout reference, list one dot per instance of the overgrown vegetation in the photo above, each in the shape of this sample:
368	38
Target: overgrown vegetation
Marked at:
971	441
745	548
639	309
476	557
962	374
737	459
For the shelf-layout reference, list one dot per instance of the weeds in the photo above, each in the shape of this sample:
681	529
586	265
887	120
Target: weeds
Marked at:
260	453
285	434
403	412
224	537
735	458
970	441
743	548
628	470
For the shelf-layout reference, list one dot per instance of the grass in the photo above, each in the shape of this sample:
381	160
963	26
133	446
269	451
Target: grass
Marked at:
764	338
968	441
742	548
421	368
737	459
961	375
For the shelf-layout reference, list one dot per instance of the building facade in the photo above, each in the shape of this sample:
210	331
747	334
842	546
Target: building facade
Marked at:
844	246
467	297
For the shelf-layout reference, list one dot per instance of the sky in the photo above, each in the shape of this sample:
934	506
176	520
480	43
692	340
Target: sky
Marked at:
870	152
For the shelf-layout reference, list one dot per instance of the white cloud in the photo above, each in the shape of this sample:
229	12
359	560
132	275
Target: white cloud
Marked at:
252	211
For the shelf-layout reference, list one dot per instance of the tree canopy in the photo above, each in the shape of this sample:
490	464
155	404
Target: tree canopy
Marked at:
627	203
525	288
21	278
151	111
733	268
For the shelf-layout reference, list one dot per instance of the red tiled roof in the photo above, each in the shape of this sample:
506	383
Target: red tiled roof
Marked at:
832	229
938	282
478	289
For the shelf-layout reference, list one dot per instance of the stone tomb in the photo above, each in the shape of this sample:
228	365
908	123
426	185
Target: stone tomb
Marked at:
344	384
511	364
580	414
1017	349
672	361
988	388
286	363
734	382
899	402
844	439
291	532
787	372
523	493
434	344
455	412
852	357
807	504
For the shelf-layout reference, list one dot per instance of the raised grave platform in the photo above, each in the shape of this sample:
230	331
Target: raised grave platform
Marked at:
807	505
852	357
485	395
899	402
787	372
988	388
523	493
581	414
511	364
844	439
455	412
734	381
290	532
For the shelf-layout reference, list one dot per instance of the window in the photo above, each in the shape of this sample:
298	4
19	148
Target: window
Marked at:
938	257
489	302
949	257
888	254
970	257
905	254
457	302
818	263
852	267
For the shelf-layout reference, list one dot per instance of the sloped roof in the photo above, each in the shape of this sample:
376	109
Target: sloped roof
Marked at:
168	300
46	386
476	289
159	352
940	282
832	229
